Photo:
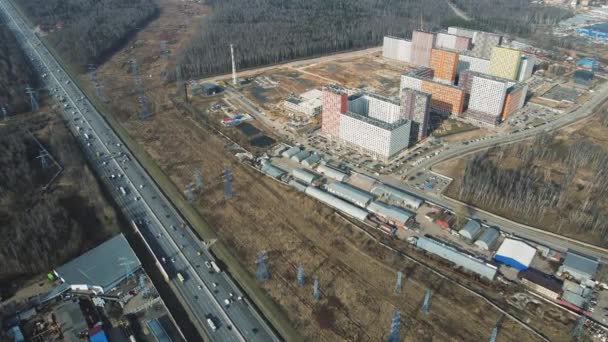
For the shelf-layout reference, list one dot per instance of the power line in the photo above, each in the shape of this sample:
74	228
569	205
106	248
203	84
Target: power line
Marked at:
33	101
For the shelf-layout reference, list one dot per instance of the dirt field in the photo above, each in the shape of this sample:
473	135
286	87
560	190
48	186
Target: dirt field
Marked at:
356	275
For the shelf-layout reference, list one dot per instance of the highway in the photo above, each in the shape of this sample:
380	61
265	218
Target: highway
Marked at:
204	292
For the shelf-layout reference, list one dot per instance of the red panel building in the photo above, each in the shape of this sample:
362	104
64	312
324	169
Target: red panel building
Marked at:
334	102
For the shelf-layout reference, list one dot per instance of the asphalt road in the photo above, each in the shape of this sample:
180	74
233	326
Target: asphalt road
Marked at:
203	291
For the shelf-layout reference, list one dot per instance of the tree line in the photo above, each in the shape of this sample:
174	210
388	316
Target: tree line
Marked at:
92	29
15	74
41	230
546	184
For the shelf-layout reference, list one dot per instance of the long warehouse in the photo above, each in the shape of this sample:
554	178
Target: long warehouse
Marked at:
337	203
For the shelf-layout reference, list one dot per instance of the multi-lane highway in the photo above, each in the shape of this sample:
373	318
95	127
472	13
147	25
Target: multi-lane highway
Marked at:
204	292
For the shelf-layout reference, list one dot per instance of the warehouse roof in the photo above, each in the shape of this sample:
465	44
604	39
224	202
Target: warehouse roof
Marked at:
350	193
104	266
470	229
398	195
311	160
581	263
331	172
515	253
337	203
488	238
291	152
304	175
300	156
272	170
390	212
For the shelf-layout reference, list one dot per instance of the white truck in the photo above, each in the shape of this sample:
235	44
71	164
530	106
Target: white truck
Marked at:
216	268
123	191
211	324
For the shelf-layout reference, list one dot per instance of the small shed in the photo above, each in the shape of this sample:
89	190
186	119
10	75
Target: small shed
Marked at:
488	239
470	230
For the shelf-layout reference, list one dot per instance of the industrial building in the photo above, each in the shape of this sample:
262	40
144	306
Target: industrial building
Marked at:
300	156
595	31
290	152
445	98
470	230
515	253
312	160
452	41
467	61
332	173
505	62
350	193
397	48
583	77
272	170
367	122
526	67
488	239
458	257
416	106
308	103
393	215
444	63
337	203
541	283
422	44
484	43
398	196
579	266
575	295
305	176
298	185
100	269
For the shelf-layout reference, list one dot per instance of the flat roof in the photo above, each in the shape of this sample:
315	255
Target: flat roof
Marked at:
376	122
103	266
517	250
582	263
602	27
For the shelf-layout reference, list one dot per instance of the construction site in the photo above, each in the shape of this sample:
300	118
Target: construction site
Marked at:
356	269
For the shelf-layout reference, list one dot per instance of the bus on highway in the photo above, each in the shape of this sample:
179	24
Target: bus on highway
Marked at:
180	277
216	268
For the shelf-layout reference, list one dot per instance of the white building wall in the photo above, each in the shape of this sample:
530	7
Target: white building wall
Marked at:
400	138
526	67
396	48
522	100
383	110
487	95
458	31
445	41
411	82
476	64
365	135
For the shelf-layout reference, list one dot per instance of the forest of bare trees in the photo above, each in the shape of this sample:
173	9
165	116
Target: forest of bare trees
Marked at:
42	229
271	31
92	28
562	187
15	74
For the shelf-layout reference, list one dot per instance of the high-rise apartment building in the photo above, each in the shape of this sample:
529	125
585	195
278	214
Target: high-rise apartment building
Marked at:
488	96
452	41
422	44
444	64
462	32
515	100
446	99
484	43
367	122
526	67
504	63
334	103
397	48
415	106
467	61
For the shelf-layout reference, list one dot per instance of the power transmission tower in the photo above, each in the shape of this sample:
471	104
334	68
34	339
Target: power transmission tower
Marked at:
394	335
399	284
494	333
262	272
44	162
227	183
425	303
96	84
579	326
315	291
188	193
33	101
144	113
198	179
164	50
300	276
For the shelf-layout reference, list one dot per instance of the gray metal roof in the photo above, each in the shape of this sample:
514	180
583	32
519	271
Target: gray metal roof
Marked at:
312	160
488	238
331	172
300	156
470	230
458	257
337	203
291	152
297	185
104	266
390	212
350	193
304	175
272	170
397	195
581	264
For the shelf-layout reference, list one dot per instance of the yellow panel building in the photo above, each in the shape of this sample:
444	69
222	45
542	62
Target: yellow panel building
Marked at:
504	62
